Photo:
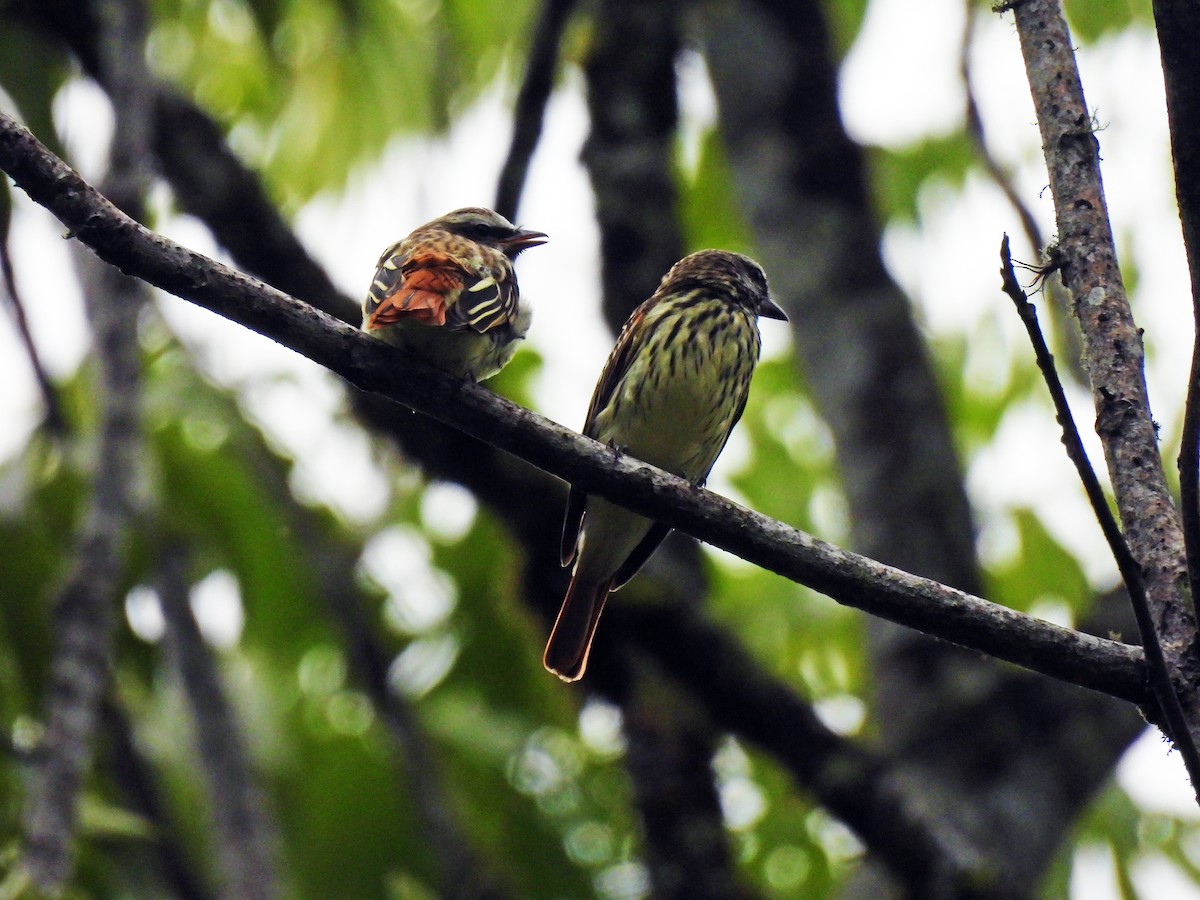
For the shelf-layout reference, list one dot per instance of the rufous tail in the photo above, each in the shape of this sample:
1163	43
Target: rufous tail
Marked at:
426	307
571	639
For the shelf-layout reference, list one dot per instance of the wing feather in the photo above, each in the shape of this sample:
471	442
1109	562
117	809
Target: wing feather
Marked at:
623	353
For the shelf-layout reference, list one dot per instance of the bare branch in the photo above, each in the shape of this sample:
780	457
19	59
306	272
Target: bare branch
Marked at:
921	603
1178	34
1114	358
246	838
132	771
1126	564
629	150
54	418
84	611
530	108
991	165
1074	444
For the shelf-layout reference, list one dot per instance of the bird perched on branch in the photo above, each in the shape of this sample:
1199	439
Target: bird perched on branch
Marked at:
671	391
448	293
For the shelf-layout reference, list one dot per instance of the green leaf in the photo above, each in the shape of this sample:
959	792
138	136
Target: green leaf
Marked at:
845	21
310	90
32	69
103	821
710	212
1042	570
1091	20
899	175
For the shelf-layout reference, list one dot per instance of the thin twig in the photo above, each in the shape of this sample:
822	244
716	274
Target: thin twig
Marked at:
245	834
999	175
1178	33
1070	438
54	420
1114	355
921	603
1003	179
461	871
84	610
1131	572
530	109
134	774
1064	330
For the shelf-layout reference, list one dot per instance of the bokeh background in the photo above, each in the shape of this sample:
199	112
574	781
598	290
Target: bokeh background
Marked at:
329	612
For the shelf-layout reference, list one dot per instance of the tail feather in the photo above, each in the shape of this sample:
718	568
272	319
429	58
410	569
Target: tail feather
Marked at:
426	307
571	639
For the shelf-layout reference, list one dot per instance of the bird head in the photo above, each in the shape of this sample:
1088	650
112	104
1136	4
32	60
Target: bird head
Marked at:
743	279
484	226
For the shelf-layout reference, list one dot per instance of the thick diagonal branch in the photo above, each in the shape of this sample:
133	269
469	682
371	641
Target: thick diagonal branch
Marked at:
530	108
245	834
1115	363
83	615
921	603
1178	36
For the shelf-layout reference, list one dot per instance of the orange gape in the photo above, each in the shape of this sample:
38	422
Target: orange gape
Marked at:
421	296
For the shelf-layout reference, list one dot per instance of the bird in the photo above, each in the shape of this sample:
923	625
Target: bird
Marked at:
673	387
448	295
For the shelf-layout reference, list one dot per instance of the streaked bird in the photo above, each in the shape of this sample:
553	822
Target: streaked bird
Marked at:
448	293
671	391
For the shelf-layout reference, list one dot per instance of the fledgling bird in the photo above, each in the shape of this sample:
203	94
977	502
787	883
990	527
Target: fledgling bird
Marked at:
448	293
671	391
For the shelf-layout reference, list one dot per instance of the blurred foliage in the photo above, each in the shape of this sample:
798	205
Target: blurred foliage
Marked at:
708	210
899	176
1091	20
32	69
309	90
312	88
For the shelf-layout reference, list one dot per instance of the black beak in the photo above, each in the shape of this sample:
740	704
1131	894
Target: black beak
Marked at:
770	310
522	239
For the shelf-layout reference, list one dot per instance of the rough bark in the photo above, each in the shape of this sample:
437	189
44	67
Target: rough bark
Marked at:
1115	364
632	105
472	408
83	616
803	184
244	834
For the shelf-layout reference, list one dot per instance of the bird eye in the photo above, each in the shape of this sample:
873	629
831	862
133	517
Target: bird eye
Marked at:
481	229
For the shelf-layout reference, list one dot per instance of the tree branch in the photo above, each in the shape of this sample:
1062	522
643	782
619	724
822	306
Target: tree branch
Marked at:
84	610
1115	362
853	580
134	774
628	153
245	833
54	420
1000	177
1178	34
863	788
530	107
